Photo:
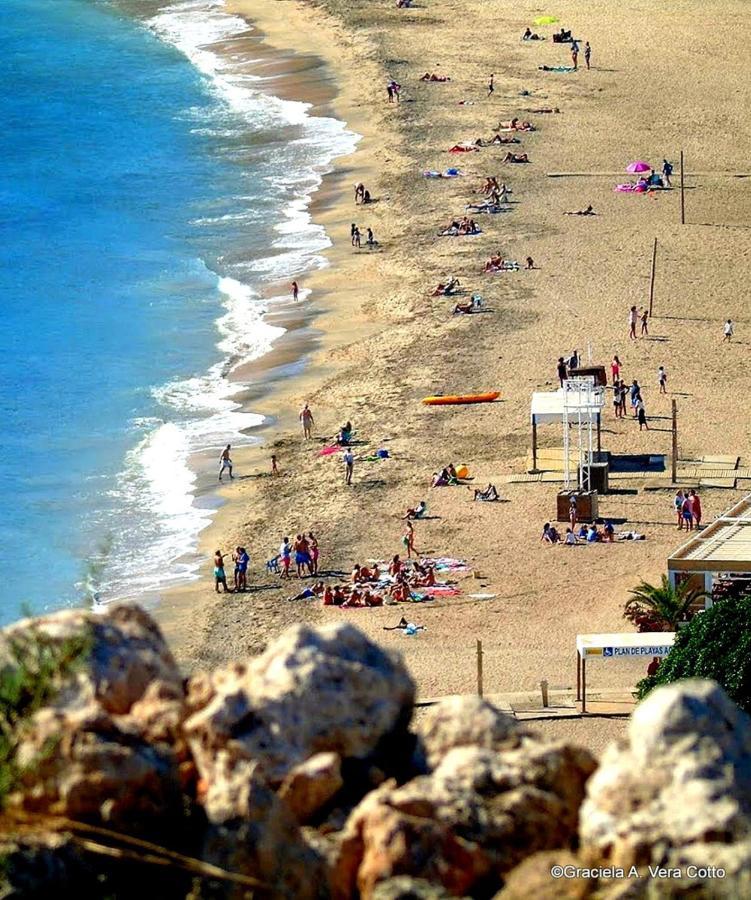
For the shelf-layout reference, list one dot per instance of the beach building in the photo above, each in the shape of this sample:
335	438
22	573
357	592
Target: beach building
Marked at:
722	550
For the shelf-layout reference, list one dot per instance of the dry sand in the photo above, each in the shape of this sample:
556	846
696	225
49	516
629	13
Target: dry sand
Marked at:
380	342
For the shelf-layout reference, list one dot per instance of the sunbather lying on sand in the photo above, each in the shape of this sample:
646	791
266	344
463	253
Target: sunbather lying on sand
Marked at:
544	109
431	76
490	493
530	36
458	229
582	212
496	139
499	264
405	626
487	206
473	305
556	68
516	158
463	148
445	290
515	125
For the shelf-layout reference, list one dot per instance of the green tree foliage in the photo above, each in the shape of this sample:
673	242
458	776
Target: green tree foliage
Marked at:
716	644
660	607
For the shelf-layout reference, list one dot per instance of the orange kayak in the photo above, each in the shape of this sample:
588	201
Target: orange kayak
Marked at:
453	399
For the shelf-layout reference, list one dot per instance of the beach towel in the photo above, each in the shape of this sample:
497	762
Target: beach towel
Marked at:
483	596
463	148
327	451
629	188
556	68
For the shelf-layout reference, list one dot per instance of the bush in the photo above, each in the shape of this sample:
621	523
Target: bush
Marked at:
716	644
34	669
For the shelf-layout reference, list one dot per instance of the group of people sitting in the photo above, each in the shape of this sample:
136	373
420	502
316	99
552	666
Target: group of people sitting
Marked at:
371	587
447	476
563	36
587	534
461	227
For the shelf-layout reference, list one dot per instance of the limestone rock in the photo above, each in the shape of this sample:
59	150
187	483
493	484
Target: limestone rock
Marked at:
263	841
465	722
311	691
128	652
677	788
532	878
405	888
311	785
478	815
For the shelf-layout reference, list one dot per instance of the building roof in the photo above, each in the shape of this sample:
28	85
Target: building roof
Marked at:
723	546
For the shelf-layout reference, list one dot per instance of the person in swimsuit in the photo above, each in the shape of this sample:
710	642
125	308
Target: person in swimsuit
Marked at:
633	315
314	552
306	417
225	462
274	465
615	369
687	513
241	569
285	552
302	555
644	318
408	539
662	379
695	507
587	54
491	86
349	465
219	574
295	290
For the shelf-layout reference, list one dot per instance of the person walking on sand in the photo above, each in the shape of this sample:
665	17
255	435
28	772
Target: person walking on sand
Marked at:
562	370
687	513
306	417
644	318
349	465
662	379
633	315
295	291
356	237
695	507
491	85
667	171
728	331
587	54
285	554
575	55
371	239
274	465
219	575
225	462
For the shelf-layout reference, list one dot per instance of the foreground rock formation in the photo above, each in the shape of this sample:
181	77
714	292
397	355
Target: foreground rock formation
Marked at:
296	775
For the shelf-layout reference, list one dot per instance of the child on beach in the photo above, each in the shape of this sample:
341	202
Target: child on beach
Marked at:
662	379
632	317
285	552
274	465
587	54
728	330
644	318
615	369
349	465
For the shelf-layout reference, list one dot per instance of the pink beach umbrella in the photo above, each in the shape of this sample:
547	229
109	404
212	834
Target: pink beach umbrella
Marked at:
638	166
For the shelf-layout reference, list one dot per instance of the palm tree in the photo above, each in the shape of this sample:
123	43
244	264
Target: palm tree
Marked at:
663	606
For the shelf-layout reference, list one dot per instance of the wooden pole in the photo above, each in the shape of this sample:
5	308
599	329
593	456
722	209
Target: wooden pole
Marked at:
683	195
479	668
544	692
675	443
652	278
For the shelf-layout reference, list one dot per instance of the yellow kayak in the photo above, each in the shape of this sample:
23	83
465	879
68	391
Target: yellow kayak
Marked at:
453	399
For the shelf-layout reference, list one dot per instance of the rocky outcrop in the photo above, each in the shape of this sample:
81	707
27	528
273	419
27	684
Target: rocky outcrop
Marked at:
677	790
473	819
296	775
312	691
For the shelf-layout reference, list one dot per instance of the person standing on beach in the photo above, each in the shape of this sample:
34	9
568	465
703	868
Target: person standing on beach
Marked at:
390	92
633	315
274	465
295	291
644	318
356	238
562	370
572	511
219	574
662	379
587	54
623	393
667	171
575	55
349	465
678	507
408	539
285	553
695	507
314	553
615	369
306	417
617	399
225	462
635	393
371	239
641	414
491	85
728	331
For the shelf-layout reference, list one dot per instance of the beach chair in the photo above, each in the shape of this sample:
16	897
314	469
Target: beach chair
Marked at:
272	566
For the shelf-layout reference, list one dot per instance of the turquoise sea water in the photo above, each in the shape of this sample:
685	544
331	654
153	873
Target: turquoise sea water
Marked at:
146	193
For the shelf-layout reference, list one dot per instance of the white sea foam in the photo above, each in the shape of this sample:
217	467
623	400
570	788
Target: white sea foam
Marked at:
156	492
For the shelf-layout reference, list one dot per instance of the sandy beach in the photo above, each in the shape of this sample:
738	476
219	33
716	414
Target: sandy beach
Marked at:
373	341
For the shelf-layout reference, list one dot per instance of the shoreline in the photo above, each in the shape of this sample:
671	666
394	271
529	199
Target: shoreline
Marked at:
272	382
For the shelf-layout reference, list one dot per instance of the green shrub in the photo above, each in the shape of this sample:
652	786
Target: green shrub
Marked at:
33	670
716	644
